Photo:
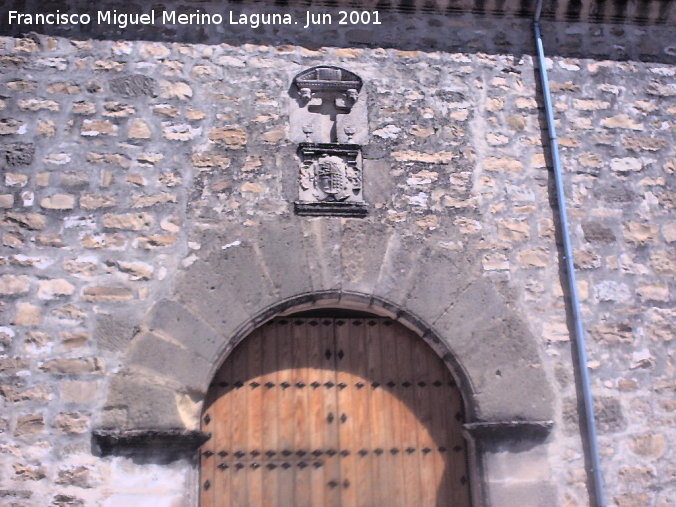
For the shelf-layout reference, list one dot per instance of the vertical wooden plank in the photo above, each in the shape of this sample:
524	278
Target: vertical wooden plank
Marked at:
301	438
448	414
270	392
286	426
332	479
253	391
238	416
391	343
390	462
354	397
378	418
208	482
407	419
322	402
424	400
221	429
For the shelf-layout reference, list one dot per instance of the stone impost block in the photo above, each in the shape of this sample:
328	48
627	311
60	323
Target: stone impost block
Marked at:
135	401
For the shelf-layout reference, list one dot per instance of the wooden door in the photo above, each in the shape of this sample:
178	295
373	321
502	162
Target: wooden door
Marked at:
333	412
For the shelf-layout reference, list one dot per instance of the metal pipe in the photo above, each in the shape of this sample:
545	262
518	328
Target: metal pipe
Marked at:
579	336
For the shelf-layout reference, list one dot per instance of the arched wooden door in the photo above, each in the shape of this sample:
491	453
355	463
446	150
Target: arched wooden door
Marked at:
333	412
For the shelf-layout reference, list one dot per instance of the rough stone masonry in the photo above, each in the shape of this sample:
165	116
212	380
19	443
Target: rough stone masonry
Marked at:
149	169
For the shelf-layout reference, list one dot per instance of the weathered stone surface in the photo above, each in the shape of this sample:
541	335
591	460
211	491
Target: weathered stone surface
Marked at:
107	293
155	241
16	154
210	160
650	445
79	476
134	85
83	107
144	201
29	424
175	90
631	500
416	156
362	250
229	137
93	128
50	289
622	121
179	366
16	392
25	472
67	366
128	221
608	414
490	363
10	366
6	201
138	402
595	232
14	284
27	315
175	321
625	164
613	333
62	500
138	129
431	294
71	423
63	87
136	270
58	202
97	201
38	105
78	391
114	109
536	258
11	126
638	233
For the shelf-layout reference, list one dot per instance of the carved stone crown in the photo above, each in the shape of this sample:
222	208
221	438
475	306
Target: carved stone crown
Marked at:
328	77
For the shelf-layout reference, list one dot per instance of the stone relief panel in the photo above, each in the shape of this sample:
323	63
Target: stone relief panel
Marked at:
328	120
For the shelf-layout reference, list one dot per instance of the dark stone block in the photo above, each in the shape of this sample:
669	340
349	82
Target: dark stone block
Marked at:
336	209
15	154
515	430
149	445
134	85
608	414
595	232
114	333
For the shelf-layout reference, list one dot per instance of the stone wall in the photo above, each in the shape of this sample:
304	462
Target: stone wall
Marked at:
136	172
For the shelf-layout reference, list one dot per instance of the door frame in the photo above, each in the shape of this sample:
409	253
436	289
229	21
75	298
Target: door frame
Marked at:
329	307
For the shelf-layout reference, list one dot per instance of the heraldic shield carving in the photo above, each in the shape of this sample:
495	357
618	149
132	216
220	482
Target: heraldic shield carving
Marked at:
331	178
